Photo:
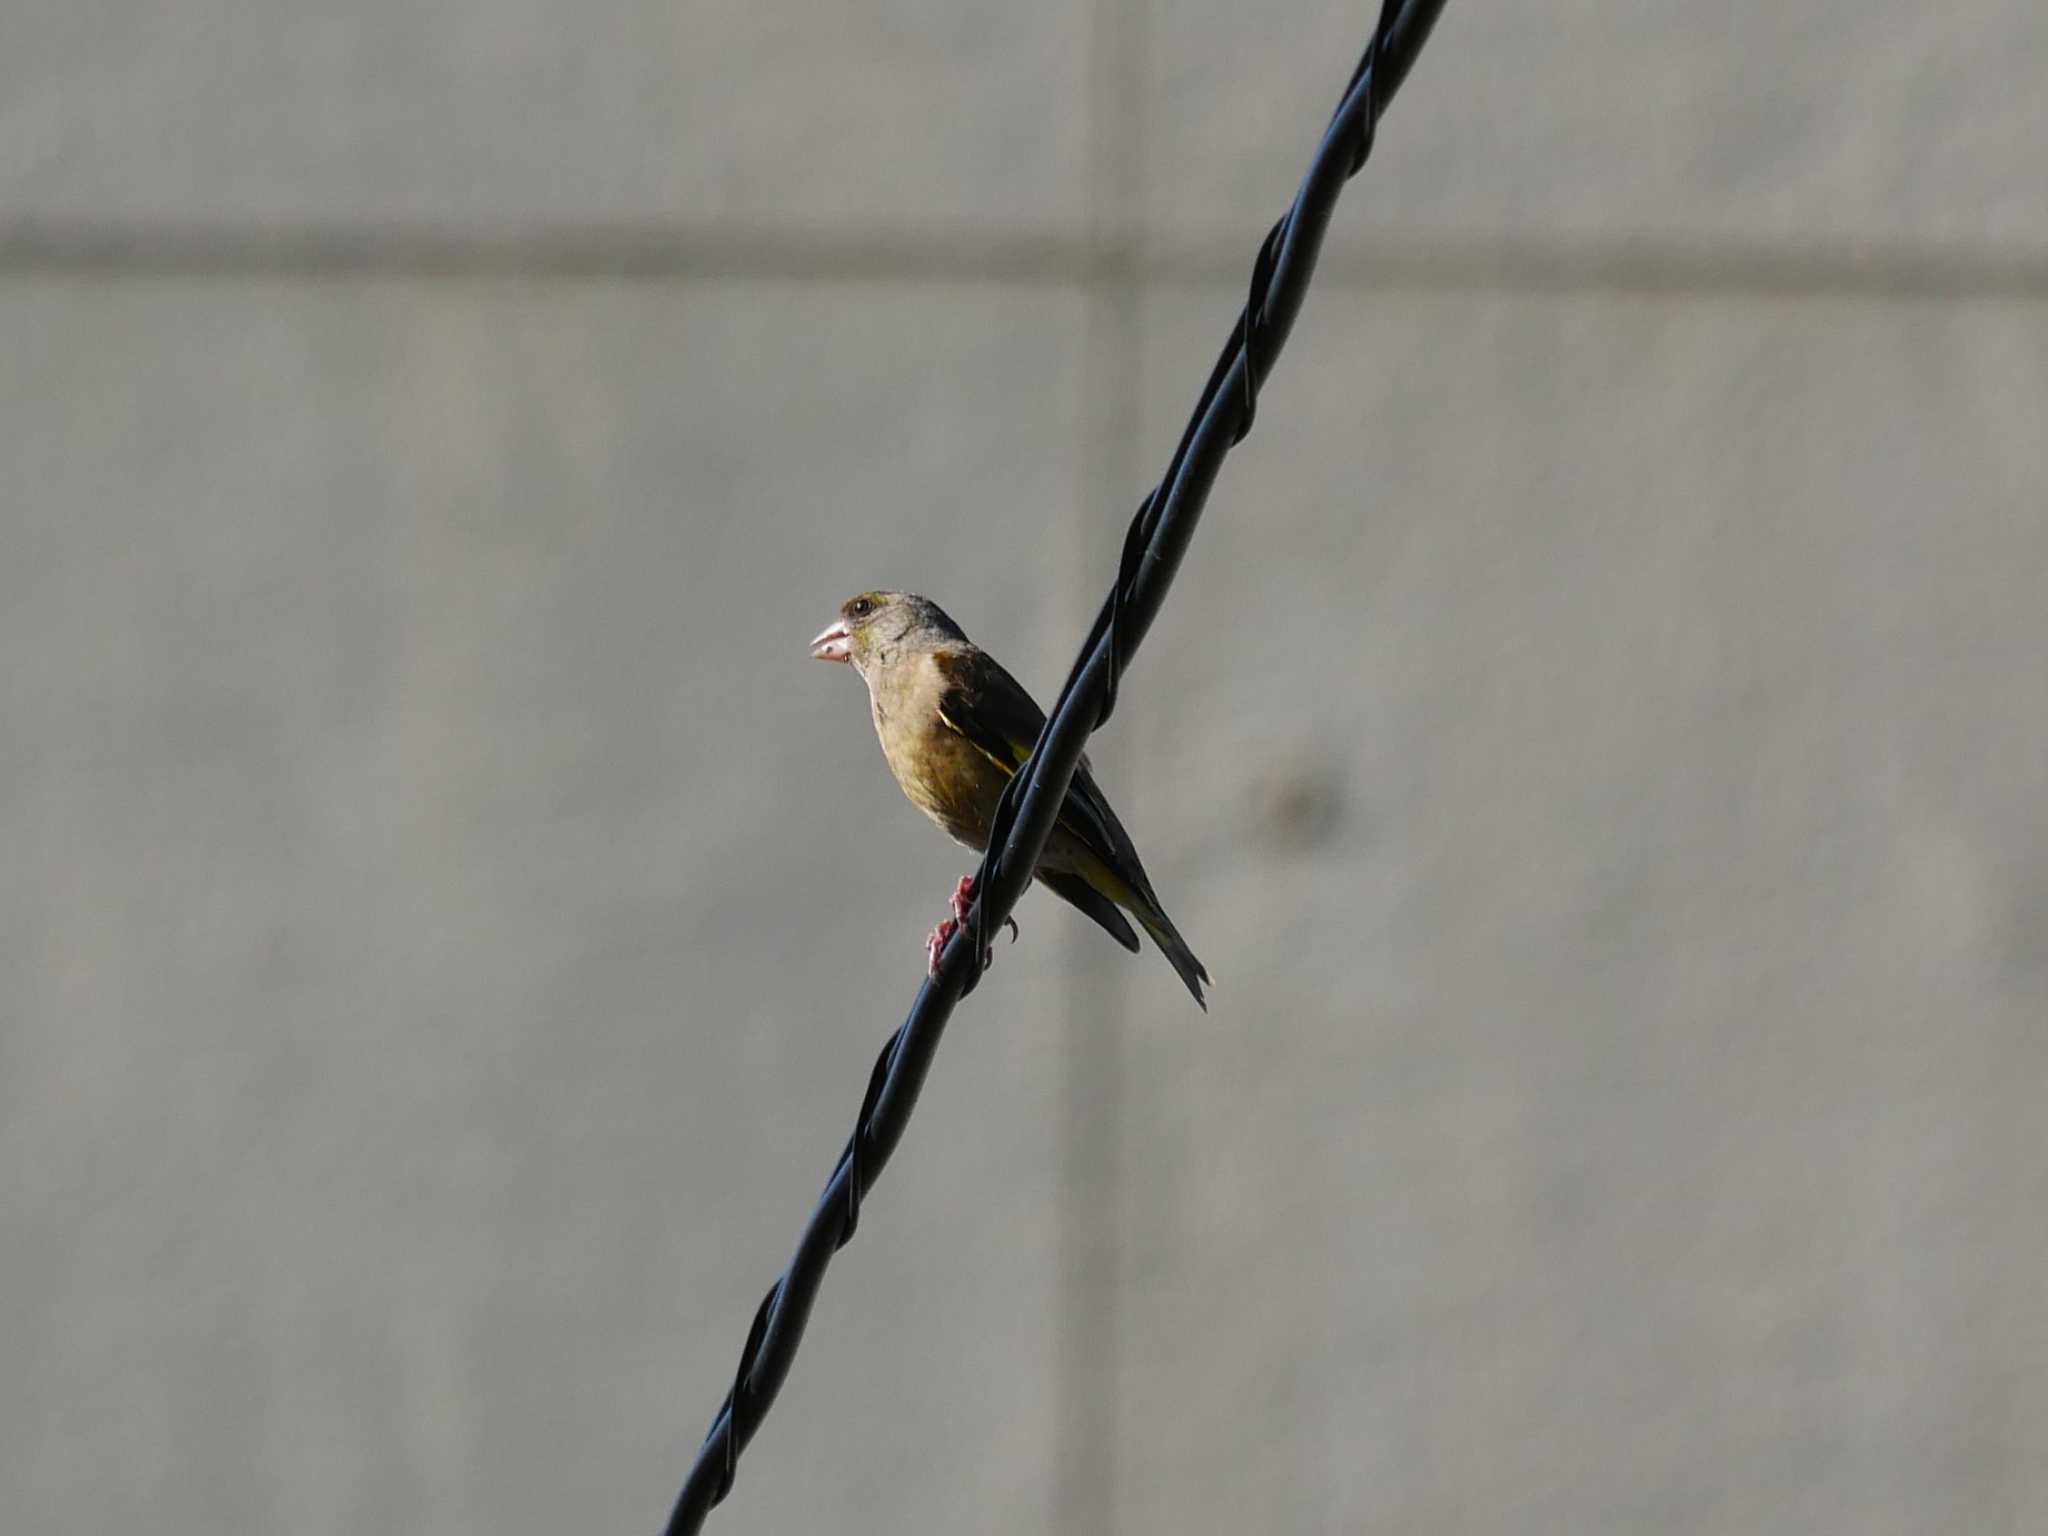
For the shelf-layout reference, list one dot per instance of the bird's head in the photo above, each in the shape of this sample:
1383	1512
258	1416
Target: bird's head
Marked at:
874	628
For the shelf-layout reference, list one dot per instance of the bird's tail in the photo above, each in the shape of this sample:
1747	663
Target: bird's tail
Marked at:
1136	897
1153	919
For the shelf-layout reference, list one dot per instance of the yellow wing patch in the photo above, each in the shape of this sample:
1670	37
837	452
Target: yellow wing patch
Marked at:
1010	767
1018	755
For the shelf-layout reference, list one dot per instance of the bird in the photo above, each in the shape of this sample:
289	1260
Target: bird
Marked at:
955	727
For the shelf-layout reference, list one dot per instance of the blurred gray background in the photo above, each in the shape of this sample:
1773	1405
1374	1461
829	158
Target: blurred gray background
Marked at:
1599	743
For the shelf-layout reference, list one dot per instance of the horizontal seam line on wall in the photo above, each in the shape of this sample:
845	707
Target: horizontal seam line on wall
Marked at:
1356	260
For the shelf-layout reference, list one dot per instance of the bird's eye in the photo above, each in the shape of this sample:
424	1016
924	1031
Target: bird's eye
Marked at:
862	607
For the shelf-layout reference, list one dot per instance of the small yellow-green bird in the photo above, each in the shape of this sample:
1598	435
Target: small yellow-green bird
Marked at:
955	727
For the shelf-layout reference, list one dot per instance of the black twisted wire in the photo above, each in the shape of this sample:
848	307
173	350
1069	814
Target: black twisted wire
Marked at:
1158	538
1254	341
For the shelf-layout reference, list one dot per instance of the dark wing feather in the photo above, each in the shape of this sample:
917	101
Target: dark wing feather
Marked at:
983	703
1075	891
988	706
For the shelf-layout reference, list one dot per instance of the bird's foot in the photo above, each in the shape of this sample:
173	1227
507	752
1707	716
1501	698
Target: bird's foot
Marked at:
963	897
935	943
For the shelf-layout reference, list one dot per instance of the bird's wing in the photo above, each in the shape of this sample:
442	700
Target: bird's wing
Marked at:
1077	892
990	709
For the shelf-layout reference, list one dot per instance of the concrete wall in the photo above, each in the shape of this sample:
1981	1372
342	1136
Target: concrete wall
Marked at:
1599	744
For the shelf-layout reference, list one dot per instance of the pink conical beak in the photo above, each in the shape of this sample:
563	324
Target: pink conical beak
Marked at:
834	644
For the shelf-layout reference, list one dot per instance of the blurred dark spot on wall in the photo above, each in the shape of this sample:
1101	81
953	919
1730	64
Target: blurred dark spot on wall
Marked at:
1298	800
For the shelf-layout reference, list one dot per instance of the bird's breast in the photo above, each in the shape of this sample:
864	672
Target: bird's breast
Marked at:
938	770
948	780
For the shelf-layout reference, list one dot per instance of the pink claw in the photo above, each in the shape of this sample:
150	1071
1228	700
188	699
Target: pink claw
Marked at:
935	944
963	897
